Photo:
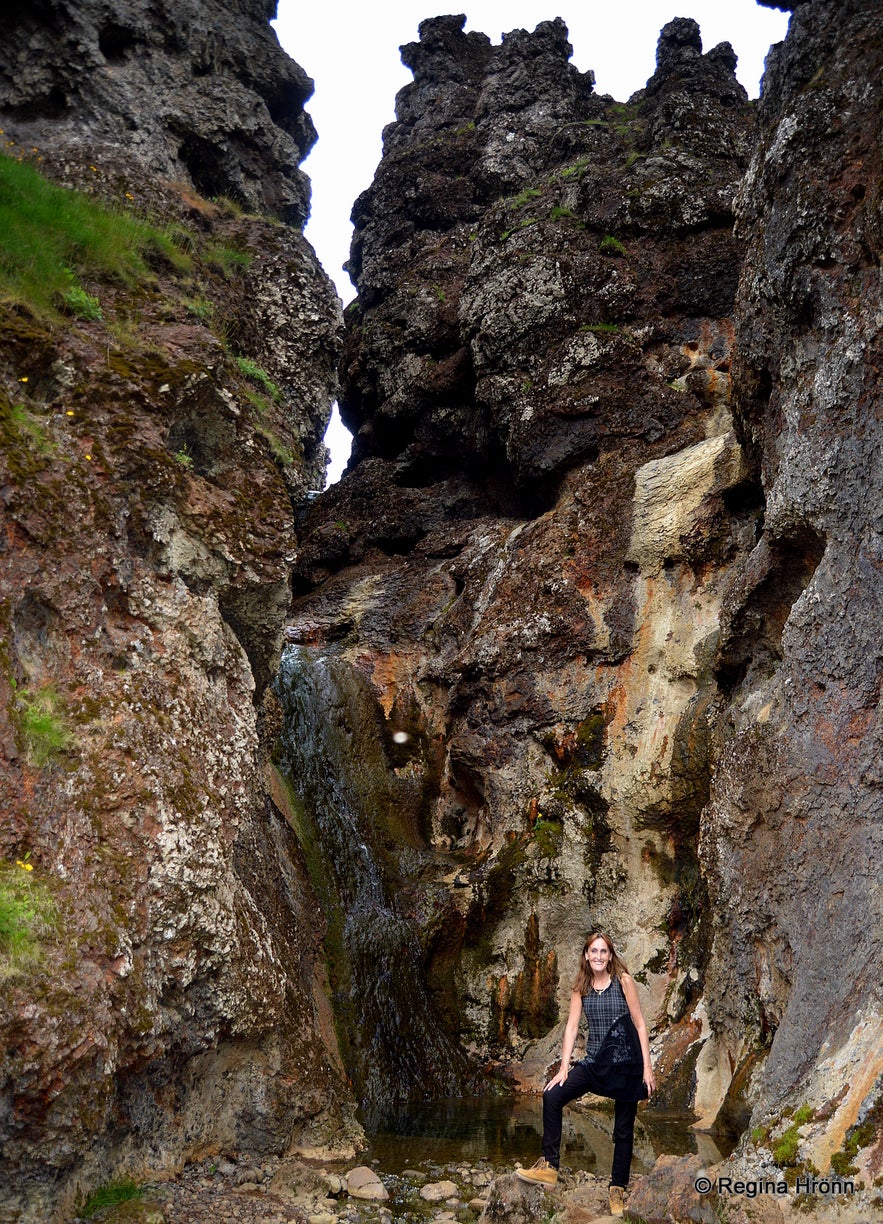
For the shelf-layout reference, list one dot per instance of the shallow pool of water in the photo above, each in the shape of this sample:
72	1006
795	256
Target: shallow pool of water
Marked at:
503	1130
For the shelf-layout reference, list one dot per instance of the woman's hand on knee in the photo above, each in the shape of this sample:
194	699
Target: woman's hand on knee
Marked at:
557	1079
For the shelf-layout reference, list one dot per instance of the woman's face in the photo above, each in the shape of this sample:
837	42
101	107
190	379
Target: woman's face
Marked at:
598	955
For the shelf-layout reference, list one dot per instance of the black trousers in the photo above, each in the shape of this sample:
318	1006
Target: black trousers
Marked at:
578	1083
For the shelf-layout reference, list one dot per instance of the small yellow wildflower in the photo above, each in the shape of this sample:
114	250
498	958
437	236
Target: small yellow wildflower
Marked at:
25	379
69	412
24	866
94	169
88	456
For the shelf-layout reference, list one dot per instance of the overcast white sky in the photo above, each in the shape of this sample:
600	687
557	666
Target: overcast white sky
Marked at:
351	50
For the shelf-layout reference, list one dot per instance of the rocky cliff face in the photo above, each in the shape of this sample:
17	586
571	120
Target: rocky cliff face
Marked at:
198	92
155	447
527	561
792	834
585	637
605	554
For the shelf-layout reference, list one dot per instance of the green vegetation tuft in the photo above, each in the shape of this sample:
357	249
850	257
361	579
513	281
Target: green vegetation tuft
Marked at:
123	1190
281	453
785	1147
611	246
50	236
253	371
27	915
857	1137
529	193
41	720
228	260
27	428
547	835
605	329
82	304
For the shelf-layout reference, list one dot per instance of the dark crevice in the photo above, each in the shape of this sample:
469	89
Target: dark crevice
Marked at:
773	579
114	41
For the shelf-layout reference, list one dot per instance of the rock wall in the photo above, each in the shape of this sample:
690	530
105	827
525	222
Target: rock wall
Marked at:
150	484
527	558
791	838
606	553
198	92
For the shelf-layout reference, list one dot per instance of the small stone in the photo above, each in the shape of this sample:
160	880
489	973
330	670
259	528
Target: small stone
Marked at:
436	1192
363	1183
249	1174
322	1217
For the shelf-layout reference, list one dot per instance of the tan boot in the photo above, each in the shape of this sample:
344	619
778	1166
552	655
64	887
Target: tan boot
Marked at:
617	1200
540	1174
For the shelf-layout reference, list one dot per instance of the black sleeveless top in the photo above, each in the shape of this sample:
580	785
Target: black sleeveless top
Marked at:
613	1062
601	1009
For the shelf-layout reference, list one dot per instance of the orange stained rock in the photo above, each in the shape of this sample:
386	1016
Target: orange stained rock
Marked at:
865	1072
386	674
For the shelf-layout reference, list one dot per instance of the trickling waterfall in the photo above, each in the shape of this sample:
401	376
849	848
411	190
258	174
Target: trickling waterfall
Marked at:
334	758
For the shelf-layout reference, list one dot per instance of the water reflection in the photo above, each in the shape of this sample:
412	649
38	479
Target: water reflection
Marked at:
501	1130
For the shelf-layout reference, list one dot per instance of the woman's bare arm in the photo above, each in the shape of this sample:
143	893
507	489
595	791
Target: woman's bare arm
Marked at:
571	1029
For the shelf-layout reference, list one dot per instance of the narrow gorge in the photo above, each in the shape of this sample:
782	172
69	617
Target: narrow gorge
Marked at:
308	801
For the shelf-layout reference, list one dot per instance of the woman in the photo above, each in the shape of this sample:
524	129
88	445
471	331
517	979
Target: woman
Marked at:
617	1063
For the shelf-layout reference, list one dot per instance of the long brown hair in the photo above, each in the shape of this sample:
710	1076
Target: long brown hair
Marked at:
615	966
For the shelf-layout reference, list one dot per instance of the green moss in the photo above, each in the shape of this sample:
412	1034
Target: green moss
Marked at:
547	835
577	169
785	1148
112	1194
42	722
604	329
28	915
857	1137
259	376
611	246
322	880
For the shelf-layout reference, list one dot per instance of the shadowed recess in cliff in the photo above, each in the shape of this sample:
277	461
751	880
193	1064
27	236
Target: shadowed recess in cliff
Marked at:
332	753
753	620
